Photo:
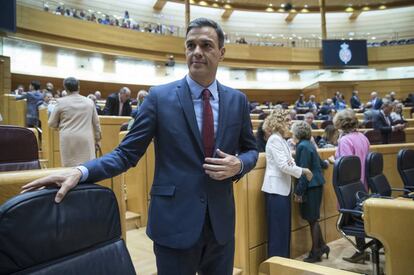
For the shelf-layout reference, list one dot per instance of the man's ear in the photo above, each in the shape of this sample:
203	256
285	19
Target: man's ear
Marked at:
222	52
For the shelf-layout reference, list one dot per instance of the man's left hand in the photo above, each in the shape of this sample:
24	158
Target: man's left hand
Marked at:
223	166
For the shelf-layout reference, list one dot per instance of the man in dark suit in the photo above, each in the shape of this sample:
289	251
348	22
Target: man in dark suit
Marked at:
382	121
355	101
203	142
376	101
118	104
34	99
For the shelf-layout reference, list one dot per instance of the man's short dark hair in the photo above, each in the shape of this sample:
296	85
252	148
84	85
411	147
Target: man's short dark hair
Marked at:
35	84
71	84
204	22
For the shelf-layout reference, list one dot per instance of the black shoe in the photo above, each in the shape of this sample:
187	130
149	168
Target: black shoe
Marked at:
313	257
357	258
325	250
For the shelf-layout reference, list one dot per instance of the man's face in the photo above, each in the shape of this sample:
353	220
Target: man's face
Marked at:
47	98
125	97
387	110
202	52
49	86
309	119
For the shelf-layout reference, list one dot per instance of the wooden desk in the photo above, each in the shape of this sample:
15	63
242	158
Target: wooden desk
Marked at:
392	223
16	111
284	266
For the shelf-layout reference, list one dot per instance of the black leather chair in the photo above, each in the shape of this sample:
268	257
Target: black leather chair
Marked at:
374	136
81	235
377	181
19	150
397	137
347	183
405	165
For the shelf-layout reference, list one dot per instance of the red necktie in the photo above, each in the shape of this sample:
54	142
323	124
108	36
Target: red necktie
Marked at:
208	124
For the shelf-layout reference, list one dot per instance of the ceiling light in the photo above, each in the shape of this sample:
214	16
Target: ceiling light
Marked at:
215	5
306	6
349	9
373	38
270	5
382	7
366	8
281	10
304	10
227	6
282	5
293	11
269	9
202	3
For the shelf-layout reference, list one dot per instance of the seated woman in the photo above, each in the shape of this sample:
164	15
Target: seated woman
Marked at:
280	167
309	192
329	138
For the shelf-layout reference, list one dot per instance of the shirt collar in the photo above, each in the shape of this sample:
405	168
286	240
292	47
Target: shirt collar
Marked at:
196	88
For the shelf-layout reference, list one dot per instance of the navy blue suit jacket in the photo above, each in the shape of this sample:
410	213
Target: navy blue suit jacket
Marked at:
181	191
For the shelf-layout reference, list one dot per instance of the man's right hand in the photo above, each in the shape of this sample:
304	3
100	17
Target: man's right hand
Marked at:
65	180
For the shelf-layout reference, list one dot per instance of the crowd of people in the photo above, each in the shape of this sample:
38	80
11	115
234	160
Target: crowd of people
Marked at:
76	116
382	114
125	21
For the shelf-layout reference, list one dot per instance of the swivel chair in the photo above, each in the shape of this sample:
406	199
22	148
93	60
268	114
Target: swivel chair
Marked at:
347	183
377	181
80	235
19	150
405	165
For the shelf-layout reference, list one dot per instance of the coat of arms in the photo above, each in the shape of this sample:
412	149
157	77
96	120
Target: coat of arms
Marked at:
345	53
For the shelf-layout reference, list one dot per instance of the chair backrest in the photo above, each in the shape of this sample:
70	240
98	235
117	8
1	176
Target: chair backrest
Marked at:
397	137
369	124
19	150
376	179
347	180
81	235
405	165
325	123
374	136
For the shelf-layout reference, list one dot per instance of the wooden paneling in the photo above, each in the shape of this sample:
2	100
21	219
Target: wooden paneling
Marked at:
275	96
86	87
15	111
62	31
5	88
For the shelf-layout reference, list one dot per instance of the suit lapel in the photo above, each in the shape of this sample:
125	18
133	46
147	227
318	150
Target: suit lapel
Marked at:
224	102
184	95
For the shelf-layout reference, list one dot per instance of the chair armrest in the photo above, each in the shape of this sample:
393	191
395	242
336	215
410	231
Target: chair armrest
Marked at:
401	189
351	211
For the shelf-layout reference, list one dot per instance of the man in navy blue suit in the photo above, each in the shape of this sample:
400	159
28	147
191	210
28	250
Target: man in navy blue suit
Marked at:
203	142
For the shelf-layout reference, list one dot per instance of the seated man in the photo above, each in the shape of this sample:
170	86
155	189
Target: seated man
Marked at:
118	104
312	104
383	122
309	117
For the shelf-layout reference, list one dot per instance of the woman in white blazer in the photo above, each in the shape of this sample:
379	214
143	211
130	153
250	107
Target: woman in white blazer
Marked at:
280	167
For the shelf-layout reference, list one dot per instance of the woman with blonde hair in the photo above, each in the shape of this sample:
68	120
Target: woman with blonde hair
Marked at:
352	143
280	166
